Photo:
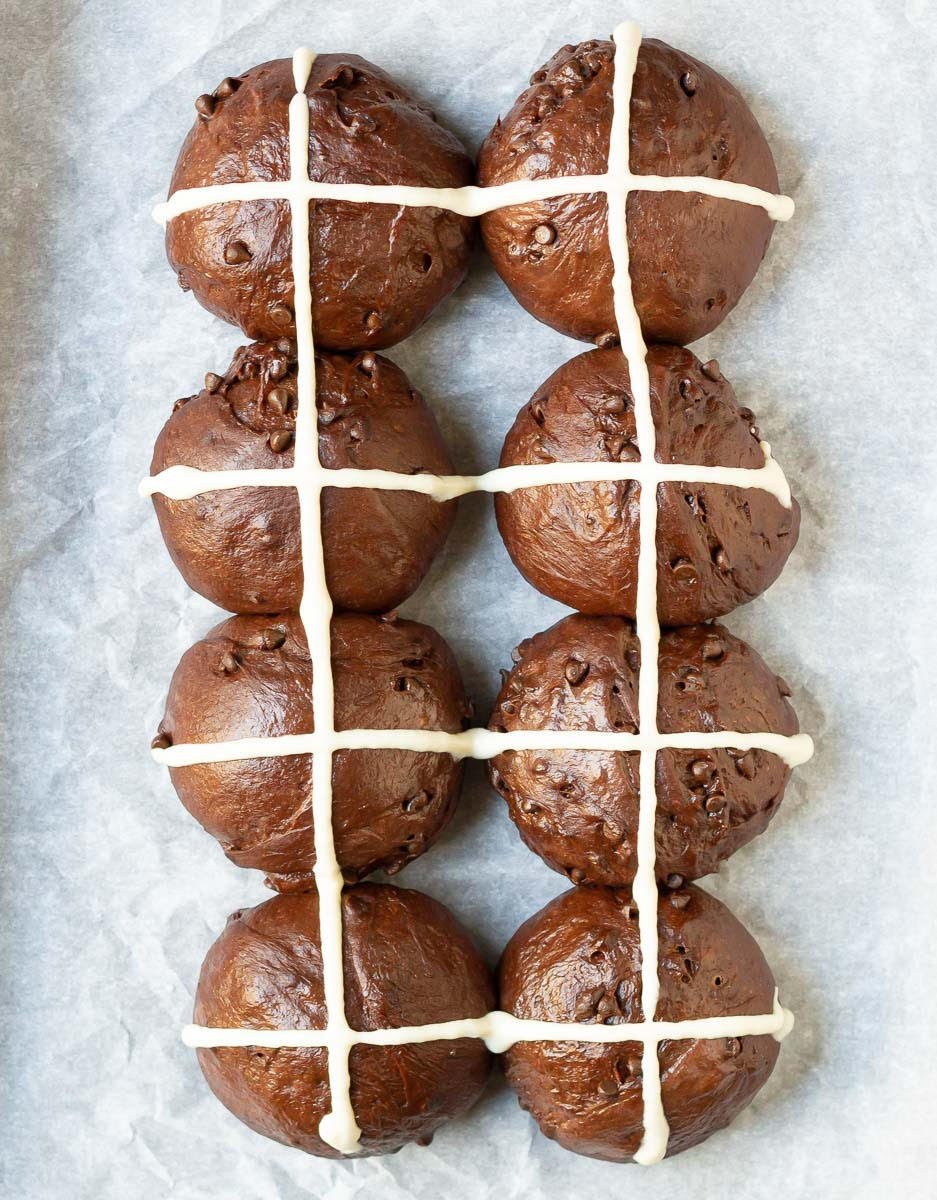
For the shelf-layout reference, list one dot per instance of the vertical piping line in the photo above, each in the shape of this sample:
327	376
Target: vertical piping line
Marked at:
627	38
338	1127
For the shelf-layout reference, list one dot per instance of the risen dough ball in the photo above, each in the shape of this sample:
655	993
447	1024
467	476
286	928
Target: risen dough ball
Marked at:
579	809
241	548
692	256
407	962
251	677
579	959
376	271
717	546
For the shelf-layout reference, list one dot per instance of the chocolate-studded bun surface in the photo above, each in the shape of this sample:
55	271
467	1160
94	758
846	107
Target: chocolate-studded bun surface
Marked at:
251	677
579	959
692	256
407	961
578	809
241	548
717	546
376	271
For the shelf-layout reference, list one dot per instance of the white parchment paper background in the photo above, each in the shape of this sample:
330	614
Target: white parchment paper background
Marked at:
112	894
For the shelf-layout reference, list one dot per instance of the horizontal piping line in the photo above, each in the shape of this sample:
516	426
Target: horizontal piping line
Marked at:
468	201
794	749
184	483
778	207
501	1030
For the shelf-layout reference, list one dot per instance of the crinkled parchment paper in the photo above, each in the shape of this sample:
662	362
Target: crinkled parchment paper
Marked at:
111	892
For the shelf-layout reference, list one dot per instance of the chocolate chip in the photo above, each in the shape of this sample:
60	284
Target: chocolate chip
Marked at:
585	1008
205	105
575	671
366	363
227	87
720	558
229	663
278	368
606	340
783	686
733	1047
162	741
281	315
213	382
684	571
715	803
711	370
679	900
236	252
544	455
417	803
713	649
689	81
544	235
279	399
607	1009
701	769
280	440
273	638
608	1087
746	765
286	346
373	322
577	875
674	881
